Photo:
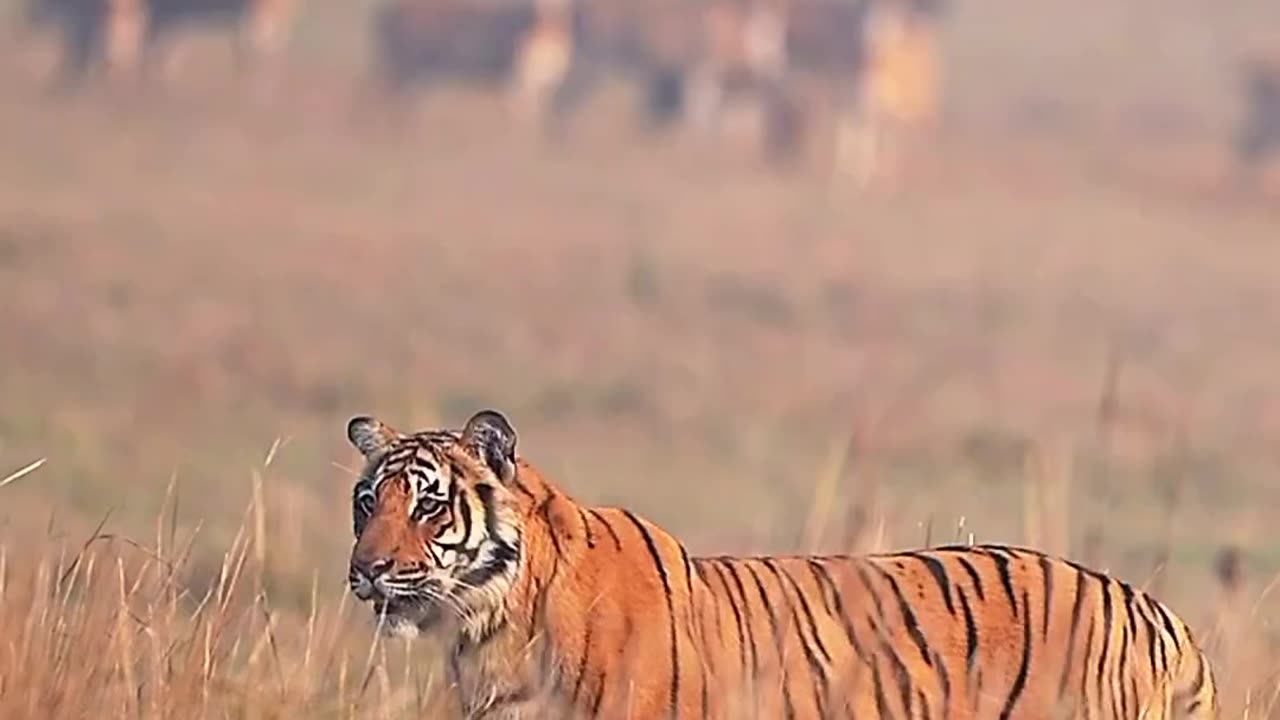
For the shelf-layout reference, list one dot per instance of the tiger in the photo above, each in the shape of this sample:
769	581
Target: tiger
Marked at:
546	607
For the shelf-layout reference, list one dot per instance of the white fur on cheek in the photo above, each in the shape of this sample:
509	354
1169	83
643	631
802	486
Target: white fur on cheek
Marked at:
400	628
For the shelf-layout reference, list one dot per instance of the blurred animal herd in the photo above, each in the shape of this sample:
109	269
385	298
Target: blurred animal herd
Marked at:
873	62
868	71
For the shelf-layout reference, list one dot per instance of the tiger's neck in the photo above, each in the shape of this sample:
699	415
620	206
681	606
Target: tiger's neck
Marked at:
509	653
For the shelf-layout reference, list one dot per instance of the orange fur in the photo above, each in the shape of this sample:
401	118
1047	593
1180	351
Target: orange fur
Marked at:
597	612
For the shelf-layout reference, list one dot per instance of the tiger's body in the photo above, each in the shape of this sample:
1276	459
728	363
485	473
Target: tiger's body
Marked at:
555	609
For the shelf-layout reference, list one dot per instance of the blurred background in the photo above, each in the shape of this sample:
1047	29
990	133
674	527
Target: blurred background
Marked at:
781	275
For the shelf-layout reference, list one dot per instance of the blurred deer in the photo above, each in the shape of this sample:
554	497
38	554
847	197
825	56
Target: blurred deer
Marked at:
896	91
124	37
544	58
1257	137
874	60
526	46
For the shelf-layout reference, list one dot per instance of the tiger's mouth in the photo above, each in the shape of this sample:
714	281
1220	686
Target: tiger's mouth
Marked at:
404	617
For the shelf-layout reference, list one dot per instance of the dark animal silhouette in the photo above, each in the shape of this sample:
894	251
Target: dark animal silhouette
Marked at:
85	28
1257	138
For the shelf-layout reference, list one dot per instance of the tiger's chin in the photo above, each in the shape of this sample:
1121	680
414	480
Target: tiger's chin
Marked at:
407	620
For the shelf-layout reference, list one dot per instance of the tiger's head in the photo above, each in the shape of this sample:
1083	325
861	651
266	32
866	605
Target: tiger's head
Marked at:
437	532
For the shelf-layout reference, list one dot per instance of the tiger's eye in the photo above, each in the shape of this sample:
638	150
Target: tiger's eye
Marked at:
426	508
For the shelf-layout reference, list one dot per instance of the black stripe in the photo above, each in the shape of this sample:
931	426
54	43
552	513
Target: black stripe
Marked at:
737	614
504	554
1083	701
544	512
1006	580
700	565
714	609
819	573
970	632
694	620
1169	625
817	672
978	693
973	576
485	493
1020	681
871	591
944	677
887	648
617	543
465	508
745	636
882	701
1137	609
671	616
1106	638
1046	567
1155	648
586	529
599	698
788	707
1076	605
899	672
706	698
688	571
824	579
524	488
939	573
1132	618
908	617
1122	668
810	621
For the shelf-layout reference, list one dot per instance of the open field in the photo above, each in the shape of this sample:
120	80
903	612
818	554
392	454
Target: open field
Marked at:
1061	329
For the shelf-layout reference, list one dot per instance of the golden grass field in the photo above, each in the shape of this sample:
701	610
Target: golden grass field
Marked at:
1059	328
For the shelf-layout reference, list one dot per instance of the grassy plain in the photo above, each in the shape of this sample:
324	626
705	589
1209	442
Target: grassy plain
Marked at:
1060	329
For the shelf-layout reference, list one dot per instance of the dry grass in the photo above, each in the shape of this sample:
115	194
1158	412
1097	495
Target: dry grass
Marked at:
1060	331
116	627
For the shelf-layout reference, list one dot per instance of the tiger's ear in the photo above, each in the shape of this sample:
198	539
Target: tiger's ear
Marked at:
489	436
371	437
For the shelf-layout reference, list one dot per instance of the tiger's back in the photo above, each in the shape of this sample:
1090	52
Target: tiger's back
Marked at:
957	632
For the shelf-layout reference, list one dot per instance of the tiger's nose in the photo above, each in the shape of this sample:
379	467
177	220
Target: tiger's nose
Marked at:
372	569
